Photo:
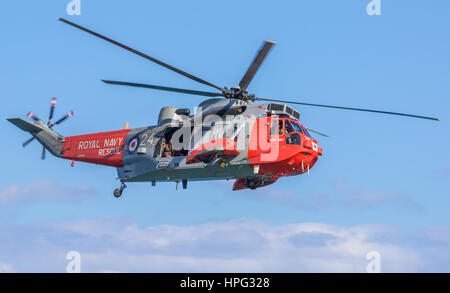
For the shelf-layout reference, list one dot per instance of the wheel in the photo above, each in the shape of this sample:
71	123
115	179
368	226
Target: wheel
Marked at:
117	192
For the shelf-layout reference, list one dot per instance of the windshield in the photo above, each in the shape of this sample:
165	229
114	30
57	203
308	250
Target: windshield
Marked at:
296	126
300	128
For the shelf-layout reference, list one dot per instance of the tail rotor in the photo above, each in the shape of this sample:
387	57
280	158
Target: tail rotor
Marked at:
50	125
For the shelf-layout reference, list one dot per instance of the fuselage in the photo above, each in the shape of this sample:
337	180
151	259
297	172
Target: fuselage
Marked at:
253	144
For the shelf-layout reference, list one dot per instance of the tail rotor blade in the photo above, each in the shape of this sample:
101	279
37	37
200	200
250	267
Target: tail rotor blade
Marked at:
32	116
251	71
52	109
28	141
68	115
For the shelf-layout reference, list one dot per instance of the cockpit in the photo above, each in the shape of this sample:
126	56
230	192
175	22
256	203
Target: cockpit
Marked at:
289	129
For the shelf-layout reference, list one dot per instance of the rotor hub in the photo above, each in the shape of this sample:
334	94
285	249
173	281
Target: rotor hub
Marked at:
237	93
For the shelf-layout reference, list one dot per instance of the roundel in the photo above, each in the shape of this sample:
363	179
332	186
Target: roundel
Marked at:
133	145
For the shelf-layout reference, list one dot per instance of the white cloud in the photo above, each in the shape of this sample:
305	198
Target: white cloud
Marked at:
115	245
42	190
238	246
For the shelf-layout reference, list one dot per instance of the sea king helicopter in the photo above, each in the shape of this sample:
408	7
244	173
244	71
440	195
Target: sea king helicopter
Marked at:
228	137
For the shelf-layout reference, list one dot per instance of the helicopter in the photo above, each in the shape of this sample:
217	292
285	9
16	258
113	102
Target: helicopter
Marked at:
227	137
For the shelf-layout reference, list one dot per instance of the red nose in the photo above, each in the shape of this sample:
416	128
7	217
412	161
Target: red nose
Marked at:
304	161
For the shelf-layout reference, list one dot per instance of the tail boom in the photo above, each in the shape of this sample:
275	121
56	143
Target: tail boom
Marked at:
104	148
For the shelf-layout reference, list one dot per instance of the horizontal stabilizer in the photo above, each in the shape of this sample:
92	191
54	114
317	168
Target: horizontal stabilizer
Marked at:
25	125
51	141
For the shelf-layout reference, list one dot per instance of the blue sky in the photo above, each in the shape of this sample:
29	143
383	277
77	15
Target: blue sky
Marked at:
385	177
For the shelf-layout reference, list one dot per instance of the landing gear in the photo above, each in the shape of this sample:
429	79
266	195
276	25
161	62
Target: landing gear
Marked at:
118	191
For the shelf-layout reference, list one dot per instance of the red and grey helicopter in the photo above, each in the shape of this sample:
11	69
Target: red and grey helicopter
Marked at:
228	137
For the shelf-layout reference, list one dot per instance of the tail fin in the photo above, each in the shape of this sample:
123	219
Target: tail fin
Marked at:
51	140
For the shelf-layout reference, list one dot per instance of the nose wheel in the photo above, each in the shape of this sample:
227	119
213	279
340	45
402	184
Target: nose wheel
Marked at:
118	191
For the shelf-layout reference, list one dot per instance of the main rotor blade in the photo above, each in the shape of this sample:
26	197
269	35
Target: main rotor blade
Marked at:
52	110
315	131
179	71
255	65
164	88
43	153
28	141
350	108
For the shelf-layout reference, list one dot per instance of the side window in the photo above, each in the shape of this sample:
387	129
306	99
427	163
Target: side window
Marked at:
288	127
293	138
273	127
276	128
280	127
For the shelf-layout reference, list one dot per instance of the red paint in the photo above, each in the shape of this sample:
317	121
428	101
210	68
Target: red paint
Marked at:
239	184
104	148
274	156
307	144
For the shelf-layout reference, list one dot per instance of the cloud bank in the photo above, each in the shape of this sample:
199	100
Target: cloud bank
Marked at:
235	246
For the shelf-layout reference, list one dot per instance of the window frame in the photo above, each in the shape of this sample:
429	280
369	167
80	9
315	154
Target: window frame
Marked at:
285	127
280	131
293	134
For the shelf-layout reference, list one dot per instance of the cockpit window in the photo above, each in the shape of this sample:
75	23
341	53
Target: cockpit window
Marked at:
296	127
300	128
293	138
288	127
306	131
